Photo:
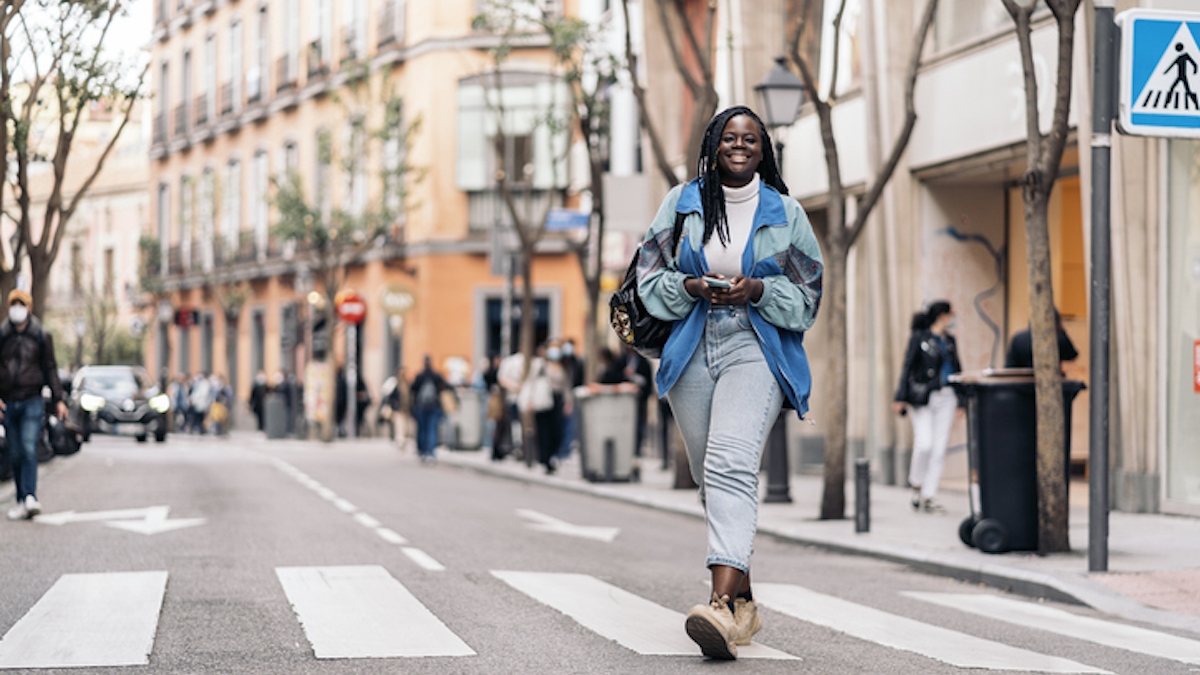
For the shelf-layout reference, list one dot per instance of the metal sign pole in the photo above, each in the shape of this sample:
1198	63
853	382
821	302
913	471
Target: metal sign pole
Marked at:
1104	79
352	379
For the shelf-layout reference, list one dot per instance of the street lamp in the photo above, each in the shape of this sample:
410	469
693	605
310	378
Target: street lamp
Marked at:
780	94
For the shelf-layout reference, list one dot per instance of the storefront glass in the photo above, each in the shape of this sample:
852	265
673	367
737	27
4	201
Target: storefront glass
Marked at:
1183	324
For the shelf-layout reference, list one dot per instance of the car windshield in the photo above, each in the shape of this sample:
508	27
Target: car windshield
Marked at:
111	384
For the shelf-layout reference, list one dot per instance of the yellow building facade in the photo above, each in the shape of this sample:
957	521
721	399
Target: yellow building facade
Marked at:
246	93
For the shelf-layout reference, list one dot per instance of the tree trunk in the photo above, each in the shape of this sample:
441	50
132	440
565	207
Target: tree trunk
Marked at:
833	309
39	273
1052	487
528	347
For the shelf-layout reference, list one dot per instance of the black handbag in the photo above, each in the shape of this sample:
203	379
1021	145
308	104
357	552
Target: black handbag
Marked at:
633	324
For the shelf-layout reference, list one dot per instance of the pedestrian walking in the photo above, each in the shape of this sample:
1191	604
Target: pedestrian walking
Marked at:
426	390
258	399
547	394
929	361
573	365
509	376
742	284
26	366
199	400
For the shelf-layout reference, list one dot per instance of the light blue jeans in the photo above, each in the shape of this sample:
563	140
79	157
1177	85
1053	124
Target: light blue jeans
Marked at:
725	402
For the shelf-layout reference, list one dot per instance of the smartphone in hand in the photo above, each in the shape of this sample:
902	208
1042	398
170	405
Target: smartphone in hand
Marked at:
714	282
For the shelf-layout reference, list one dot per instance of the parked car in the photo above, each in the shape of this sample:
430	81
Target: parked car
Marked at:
118	400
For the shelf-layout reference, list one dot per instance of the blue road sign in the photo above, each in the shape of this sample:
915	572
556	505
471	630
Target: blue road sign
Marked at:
567	219
1160	73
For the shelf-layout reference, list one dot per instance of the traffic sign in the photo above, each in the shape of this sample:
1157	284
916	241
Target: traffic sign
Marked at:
1160	73
351	307
397	300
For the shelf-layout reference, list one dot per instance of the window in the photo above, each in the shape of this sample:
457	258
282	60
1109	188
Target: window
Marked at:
356	167
185	222
205	214
76	269
258	339
209	110
258	203
231	218
394	160
256	77
962	21
321	39
164	89
109	272
233	74
291	42
324	170
163	216
291	158
206	343
185	93
185	349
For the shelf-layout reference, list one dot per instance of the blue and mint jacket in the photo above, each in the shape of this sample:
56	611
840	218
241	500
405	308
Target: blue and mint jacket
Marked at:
783	253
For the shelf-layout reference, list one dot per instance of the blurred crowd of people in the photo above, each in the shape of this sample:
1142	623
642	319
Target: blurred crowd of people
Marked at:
200	403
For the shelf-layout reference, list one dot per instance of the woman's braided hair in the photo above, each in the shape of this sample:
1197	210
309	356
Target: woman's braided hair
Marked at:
712	196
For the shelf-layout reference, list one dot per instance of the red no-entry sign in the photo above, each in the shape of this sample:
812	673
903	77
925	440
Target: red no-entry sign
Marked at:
351	307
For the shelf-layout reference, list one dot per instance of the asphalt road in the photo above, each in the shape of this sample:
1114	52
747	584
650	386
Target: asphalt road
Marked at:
315	558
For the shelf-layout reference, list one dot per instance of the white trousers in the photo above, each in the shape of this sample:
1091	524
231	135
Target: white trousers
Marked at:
931	433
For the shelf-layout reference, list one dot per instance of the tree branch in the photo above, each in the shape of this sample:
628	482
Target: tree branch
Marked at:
910	120
702	55
837	46
1064	14
837	230
656	145
676	54
1033	134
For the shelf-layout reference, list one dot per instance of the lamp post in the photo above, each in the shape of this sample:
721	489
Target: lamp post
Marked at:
780	94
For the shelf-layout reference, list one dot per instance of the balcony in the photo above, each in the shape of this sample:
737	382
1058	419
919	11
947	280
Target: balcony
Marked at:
228	105
387	23
285	72
181	119
317	65
350	44
160	128
486	209
193	256
202	117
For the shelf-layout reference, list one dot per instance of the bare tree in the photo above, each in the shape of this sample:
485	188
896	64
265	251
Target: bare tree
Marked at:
59	52
9	11
696	73
841	236
1043	156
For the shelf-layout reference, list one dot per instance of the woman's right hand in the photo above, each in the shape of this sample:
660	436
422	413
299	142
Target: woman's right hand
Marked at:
697	288
899	407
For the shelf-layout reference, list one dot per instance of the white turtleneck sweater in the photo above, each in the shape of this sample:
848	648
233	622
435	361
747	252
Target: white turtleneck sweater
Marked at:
740	205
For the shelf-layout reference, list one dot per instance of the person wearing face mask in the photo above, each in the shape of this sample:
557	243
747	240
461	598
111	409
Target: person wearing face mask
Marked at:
550	421
573	367
26	366
931	358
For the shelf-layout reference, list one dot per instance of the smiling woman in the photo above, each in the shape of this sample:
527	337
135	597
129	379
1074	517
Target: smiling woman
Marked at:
741	301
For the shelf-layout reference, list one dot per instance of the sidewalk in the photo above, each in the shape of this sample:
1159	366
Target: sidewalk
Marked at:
1154	560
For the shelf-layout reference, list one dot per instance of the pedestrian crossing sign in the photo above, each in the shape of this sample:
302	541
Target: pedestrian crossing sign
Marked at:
1160	73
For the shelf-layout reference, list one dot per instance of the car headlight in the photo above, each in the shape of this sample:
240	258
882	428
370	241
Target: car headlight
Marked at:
91	402
160	403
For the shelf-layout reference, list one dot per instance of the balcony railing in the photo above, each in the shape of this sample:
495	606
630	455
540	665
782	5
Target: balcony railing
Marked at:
316	65
350	44
160	128
202	110
193	256
227	102
285	72
387	23
181	119
486	209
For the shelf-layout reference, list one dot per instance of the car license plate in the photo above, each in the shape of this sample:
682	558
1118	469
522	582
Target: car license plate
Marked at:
128	429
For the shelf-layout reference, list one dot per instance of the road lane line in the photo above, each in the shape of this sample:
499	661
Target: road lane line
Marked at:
88	620
344	506
423	559
390	536
366	520
633	622
363	612
1054	620
941	644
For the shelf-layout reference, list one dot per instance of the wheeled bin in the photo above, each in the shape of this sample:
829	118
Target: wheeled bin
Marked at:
607	431
465	431
1002	455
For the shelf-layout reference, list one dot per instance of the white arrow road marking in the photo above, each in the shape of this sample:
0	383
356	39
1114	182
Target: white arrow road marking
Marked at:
898	632
633	622
544	523
88	620
1054	620
149	520
363	612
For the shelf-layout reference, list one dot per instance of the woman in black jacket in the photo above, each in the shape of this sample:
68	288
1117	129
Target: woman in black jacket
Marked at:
931	358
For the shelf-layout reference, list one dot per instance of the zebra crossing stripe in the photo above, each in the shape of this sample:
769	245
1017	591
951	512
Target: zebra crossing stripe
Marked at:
363	612
1054	620
633	622
941	644
88	620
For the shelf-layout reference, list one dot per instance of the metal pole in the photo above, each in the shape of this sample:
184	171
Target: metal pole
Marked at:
352	379
778	490
1104	79
506	345
862	495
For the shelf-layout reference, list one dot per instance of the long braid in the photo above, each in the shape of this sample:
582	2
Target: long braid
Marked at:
712	195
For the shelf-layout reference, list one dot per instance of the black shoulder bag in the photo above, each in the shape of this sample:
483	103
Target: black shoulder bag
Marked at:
628	316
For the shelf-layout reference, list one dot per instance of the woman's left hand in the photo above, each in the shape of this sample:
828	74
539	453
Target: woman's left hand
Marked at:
743	291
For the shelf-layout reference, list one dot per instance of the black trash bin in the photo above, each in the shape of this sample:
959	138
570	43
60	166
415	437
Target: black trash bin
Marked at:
1002	454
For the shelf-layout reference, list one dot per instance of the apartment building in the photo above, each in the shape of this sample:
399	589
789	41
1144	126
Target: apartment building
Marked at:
248	91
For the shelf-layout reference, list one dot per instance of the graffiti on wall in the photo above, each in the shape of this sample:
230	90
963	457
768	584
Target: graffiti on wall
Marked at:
966	266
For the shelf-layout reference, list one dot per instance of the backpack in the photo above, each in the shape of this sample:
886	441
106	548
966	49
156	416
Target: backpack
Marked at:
427	394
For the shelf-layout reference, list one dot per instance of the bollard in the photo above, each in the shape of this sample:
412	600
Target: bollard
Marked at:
610	458
778	490
862	495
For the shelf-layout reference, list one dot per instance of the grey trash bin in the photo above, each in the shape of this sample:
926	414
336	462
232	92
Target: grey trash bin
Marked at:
607	431
466	423
275	414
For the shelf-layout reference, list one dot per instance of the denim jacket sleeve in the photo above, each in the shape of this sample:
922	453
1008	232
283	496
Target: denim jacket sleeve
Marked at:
660	283
790	299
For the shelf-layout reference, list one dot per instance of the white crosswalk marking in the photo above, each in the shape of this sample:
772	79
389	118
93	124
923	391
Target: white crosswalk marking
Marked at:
1057	621
890	630
362	612
88	620
633	622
